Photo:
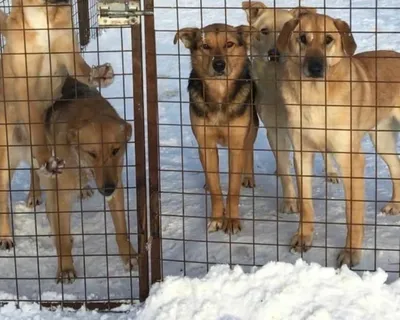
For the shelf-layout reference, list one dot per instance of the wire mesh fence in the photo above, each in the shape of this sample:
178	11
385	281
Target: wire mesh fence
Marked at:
182	86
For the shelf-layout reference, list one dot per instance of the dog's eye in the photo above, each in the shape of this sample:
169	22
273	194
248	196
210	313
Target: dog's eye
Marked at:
115	151
92	154
264	31
303	39
328	39
229	44
205	46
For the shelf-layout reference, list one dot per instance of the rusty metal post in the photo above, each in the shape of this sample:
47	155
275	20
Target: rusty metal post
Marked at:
153	142
140	156
84	22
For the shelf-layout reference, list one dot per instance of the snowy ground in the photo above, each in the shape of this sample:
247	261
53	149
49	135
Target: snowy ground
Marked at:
277	291
183	203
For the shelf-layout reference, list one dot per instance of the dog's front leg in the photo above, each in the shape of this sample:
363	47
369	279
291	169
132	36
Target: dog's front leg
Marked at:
58	208
352	168
303	161
98	76
6	241
117	207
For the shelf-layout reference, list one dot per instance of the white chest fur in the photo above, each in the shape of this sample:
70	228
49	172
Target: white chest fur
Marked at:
38	22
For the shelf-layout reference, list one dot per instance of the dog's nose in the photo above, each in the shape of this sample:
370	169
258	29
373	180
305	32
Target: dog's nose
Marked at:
108	189
316	68
219	65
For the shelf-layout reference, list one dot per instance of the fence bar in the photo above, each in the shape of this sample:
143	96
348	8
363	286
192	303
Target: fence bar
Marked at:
84	22
140	154
153	141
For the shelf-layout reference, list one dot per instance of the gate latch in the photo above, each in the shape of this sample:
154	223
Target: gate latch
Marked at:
119	12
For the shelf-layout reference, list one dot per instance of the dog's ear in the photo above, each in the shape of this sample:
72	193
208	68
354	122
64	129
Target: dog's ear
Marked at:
246	34
299	11
128	131
188	36
348	43
253	9
284	36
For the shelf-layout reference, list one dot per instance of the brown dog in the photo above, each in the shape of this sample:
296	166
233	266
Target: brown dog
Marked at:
89	134
40	51
221	112
266	67
332	99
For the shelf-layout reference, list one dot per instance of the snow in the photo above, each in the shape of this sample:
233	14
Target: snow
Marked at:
277	290
184	206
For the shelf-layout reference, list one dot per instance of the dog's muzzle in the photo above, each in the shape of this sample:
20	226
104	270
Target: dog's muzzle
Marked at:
108	189
273	55
315	67
58	1
219	66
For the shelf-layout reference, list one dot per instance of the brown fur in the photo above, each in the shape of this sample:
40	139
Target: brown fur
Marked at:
221	112
323	120
40	44
269	22
91	137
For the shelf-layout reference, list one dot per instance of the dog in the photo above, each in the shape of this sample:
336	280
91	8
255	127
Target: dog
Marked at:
40	51
89	134
332	98
266	65
221	95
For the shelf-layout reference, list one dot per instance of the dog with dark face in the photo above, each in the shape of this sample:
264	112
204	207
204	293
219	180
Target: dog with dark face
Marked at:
221	112
89	134
332	98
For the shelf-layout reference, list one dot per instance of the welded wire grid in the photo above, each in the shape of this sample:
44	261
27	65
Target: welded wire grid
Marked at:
29	269
185	207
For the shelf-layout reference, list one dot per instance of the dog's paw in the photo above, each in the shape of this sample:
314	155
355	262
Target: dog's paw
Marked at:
301	242
349	257
248	182
102	76
6	243
231	226
332	177
66	276
288	206
52	167
215	224
34	199
87	192
391	209
130	263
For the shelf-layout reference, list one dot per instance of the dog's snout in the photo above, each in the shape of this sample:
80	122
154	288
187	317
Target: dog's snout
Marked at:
108	189
219	65
316	67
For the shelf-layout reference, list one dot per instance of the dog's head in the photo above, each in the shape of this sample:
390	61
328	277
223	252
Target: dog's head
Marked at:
218	50
100	143
269	22
316	42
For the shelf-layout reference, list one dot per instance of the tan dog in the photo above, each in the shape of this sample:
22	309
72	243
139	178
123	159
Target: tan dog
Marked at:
221	112
266	66
91	137
40	51
332	99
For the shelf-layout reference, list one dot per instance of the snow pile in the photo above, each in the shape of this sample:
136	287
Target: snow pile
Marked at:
276	291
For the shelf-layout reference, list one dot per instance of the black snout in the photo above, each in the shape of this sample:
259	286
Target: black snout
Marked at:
219	65
108	189
58	1
273	55
316	67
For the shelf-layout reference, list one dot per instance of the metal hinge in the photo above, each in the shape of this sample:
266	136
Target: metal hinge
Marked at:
119	12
